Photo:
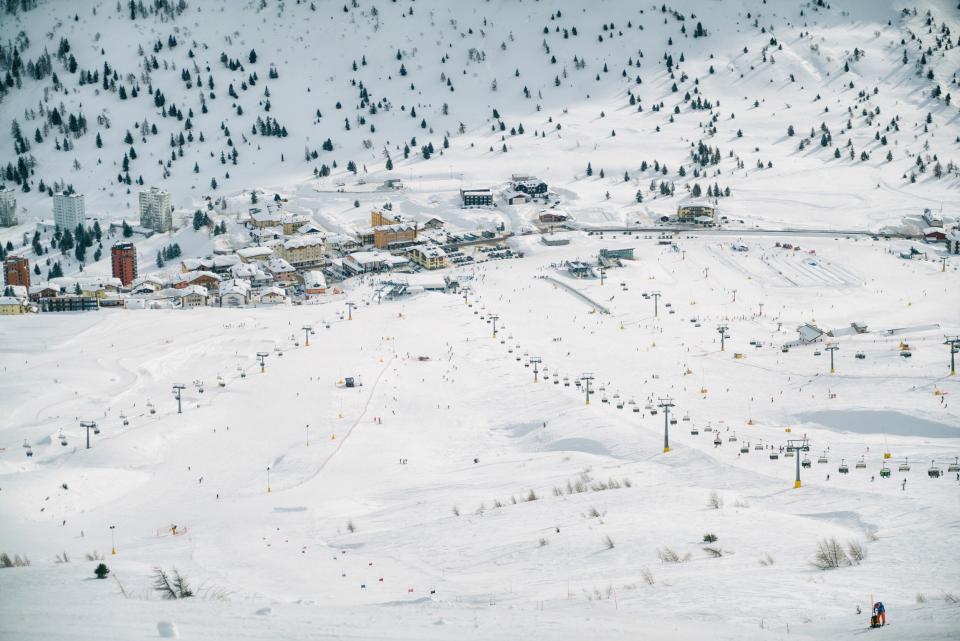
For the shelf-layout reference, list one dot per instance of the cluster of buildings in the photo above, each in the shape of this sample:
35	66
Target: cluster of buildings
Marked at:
521	190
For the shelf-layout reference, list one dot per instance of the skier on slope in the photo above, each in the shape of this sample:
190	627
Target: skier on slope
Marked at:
879	617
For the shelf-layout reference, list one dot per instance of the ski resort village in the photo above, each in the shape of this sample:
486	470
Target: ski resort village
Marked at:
492	319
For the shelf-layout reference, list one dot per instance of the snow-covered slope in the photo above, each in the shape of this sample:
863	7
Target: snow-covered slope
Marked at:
402	508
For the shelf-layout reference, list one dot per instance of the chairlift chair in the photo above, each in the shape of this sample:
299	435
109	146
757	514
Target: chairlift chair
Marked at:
673	421
29	451
774	455
694	431
745	448
732	438
619	405
905	466
823	459
788	454
96	429
717	441
126	421
653	412
566	382
861	464
955	466
934	471
686	418
63	438
844	468
884	471
805	463
758	446
604	400
556	381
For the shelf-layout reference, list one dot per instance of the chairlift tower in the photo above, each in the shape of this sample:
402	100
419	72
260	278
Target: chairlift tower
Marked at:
350	307
656	301
587	377
268	479
665	404
307	330
798	445
494	318
832	347
603	274
113	540
535	360
90	425
263	361
723	336
177	388
954	343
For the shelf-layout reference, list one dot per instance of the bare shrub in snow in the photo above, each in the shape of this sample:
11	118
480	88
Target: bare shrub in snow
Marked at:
767	560
715	552
171	586
715	501
94	556
594	513
497	503
532	496
830	555
557	491
608	542
709	537
16	562
456	511
63	558
351	528
856	552
543	542
921	598
951	598
740	503
647	575
668	555
627	482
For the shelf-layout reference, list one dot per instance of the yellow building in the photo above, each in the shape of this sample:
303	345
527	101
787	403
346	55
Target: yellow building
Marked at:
428	256
696	211
378	218
10	306
384	235
301	251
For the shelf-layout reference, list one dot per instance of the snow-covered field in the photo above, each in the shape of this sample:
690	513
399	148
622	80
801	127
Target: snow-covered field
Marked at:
451	496
432	461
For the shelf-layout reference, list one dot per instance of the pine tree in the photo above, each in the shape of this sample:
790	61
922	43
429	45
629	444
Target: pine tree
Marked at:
589	169
252	57
159	259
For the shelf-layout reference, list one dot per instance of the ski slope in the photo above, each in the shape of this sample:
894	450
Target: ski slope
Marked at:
433	459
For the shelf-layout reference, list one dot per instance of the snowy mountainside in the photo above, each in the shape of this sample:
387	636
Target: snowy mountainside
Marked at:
437	71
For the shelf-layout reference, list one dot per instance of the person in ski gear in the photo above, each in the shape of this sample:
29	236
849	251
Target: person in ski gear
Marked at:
879	614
